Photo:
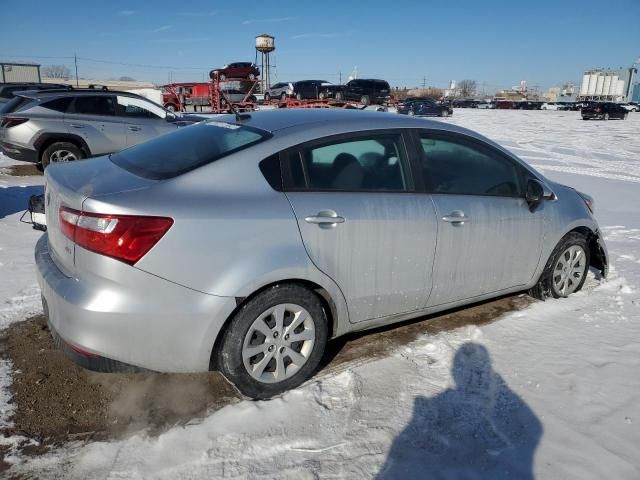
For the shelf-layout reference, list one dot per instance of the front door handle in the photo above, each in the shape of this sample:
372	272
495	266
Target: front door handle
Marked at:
75	125
133	128
457	217
325	219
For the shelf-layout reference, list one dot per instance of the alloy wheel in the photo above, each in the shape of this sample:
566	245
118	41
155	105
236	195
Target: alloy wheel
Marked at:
278	343
62	156
569	270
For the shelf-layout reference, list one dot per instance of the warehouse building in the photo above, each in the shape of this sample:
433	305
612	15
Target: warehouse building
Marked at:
19	72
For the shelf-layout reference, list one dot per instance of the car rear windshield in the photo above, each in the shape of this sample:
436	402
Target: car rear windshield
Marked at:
15	104
188	148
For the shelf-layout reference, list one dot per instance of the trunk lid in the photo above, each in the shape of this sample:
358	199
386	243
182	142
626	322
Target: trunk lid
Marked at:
69	185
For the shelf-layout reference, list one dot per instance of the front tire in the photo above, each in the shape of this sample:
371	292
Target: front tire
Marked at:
274	342
606	116
365	100
339	96
566	270
60	152
267	97
252	76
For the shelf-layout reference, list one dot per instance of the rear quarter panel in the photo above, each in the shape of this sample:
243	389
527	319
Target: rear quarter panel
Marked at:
232	234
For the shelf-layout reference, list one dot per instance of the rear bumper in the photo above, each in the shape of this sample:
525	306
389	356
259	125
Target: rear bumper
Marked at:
143	322
19	153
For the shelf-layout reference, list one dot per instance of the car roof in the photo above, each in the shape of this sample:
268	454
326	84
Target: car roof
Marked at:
343	120
71	92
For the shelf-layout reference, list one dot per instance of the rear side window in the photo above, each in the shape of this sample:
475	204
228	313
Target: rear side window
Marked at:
95	105
373	163
59	104
188	148
455	166
15	104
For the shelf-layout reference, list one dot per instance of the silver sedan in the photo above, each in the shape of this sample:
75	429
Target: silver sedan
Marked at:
245	244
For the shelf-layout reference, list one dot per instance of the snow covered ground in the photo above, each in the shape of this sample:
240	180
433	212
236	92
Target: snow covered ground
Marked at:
550	392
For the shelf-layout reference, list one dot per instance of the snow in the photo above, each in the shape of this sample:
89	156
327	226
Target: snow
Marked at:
19	292
551	391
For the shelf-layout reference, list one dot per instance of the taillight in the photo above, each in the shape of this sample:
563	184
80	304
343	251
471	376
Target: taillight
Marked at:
124	237
8	122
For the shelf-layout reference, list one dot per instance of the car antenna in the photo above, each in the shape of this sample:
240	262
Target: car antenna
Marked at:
239	116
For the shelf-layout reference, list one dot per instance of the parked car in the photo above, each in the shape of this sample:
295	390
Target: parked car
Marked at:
365	91
506	105
236	96
245	245
236	70
465	103
423	108
8	90
550	106
62	125
309	89
282	90
630	107
604	111
486	105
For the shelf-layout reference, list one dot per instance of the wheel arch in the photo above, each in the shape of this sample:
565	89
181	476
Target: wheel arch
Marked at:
47	139
327	300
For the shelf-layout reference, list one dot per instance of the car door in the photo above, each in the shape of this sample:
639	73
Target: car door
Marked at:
144	120
93	118
362	222
488	239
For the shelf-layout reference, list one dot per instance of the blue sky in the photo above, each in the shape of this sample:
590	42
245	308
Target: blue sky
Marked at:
497	43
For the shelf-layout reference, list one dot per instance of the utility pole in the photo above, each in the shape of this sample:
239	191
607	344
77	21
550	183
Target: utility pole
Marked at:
75	61
340	77
424	82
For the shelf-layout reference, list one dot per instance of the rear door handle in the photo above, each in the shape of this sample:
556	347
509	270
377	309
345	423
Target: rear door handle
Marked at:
456	217
75	125
325	219
133	128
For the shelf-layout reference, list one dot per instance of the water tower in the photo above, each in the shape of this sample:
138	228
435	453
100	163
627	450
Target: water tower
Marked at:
265	44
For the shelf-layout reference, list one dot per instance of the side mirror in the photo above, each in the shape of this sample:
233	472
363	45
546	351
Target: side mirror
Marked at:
171	117
535	193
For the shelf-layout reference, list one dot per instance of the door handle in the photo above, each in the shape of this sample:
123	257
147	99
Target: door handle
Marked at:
75	125
325	219
133	128
457	217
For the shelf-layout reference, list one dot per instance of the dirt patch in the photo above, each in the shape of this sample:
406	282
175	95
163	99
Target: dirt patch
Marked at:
58	401
27	170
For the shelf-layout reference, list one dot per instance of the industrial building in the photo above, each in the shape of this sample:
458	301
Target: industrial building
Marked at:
19	72
608	85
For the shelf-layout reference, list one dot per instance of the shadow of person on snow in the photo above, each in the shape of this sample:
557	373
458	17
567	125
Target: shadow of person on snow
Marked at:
478	430
16	198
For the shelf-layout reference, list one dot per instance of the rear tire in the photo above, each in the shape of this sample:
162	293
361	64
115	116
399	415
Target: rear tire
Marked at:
252	76
299	96
606	116
259	346
566	270
222	77
365	100
267	97
59	152
444	113
624	117
339	96
283	97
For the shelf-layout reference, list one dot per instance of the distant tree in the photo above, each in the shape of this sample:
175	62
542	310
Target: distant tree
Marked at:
467	88
56	71
127	79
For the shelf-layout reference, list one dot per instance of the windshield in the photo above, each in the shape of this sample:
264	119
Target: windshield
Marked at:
188	148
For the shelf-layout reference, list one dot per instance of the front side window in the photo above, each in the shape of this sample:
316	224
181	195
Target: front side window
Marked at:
459	167
375	163
94	105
